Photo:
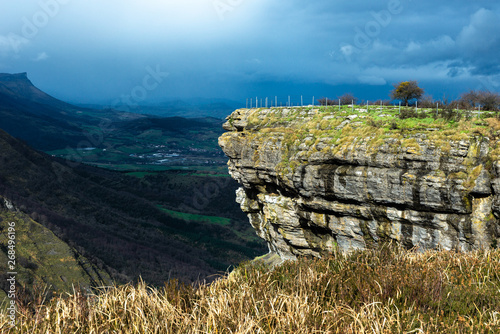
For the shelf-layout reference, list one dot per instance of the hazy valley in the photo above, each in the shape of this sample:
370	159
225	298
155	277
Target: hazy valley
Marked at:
163	207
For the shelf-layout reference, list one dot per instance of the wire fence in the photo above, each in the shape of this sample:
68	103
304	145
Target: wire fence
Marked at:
267	102
274	102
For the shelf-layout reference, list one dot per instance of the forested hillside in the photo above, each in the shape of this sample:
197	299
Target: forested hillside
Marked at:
124	223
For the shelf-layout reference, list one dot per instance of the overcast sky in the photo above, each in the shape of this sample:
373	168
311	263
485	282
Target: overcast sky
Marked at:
100	51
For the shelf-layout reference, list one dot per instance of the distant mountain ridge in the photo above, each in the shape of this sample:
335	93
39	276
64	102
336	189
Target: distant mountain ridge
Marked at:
19	87
34	116
43	121
48	124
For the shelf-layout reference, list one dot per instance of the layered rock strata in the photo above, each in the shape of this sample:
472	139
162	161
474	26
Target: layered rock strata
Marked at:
312	181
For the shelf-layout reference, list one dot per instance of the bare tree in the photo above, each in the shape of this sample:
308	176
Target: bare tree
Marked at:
489	100
324	101
347	98
468	99
486	99
427	101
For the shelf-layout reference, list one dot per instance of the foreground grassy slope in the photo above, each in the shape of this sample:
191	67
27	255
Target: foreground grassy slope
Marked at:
383	291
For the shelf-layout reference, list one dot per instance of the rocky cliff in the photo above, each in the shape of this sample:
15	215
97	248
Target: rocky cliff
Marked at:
313	179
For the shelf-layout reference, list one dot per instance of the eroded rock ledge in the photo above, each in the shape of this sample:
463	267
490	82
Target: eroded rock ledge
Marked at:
313	180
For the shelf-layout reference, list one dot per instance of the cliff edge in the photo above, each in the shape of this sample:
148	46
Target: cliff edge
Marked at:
313	179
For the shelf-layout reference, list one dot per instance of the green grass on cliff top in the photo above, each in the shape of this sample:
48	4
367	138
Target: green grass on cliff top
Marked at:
385	117
340	128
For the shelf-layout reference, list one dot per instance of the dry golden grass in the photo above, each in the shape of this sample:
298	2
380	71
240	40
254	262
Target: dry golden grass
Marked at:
383	291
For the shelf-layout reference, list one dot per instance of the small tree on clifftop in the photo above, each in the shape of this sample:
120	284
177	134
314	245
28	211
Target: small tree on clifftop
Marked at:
406	91
347	98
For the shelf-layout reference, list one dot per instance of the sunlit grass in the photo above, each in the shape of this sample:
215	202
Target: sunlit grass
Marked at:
383	291
334	133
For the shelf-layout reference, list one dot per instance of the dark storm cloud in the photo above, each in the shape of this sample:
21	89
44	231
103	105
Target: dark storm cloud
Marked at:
101	50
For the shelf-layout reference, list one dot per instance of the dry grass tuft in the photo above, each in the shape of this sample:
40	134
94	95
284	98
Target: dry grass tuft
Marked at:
384	291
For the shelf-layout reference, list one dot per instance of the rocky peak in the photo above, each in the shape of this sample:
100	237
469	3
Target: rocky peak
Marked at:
314	179
13	77
15	82
19	88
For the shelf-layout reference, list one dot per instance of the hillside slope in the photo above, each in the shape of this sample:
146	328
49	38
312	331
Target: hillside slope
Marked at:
104	219
41	259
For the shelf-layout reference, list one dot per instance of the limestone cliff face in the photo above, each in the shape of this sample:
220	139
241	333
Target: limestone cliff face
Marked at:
313	180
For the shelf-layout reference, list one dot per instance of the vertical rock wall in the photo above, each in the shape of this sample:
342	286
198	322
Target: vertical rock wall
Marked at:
307	192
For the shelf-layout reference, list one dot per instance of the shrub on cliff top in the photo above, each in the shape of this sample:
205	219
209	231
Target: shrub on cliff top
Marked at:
486	99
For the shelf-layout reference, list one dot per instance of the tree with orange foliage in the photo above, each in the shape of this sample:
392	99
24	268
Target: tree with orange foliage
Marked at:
406	91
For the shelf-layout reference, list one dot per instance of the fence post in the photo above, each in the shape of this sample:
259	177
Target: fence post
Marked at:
301	101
